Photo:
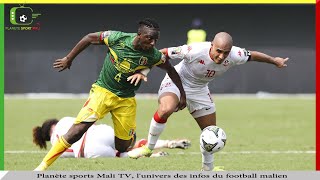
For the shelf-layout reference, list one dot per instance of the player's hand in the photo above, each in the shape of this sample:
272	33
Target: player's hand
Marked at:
280	62
62	64
136	78
183	102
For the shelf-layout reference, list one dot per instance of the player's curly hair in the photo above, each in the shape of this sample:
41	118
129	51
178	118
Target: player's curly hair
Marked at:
42	134
150	23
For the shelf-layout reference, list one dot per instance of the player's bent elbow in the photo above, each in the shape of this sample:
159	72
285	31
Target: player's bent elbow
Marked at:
92	38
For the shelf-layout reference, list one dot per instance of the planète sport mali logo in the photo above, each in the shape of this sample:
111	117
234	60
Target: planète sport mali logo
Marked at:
22	18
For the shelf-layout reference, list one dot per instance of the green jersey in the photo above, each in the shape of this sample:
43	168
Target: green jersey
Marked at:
122	61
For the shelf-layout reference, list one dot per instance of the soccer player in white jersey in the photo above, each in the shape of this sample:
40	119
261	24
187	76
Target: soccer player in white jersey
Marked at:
98	141
201	63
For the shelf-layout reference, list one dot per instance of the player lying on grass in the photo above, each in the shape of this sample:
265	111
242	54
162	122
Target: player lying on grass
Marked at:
98	141
201	63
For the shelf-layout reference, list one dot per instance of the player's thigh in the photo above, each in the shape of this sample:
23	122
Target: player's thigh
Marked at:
94	108
166	86
168	96
206	120
168	103
124	118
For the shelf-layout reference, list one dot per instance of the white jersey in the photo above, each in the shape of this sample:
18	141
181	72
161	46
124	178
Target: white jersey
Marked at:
98	141
197	69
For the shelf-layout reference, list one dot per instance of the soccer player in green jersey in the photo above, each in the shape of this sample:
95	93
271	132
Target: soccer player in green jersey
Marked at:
114	91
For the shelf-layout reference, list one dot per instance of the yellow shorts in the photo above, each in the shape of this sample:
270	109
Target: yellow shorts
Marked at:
123	110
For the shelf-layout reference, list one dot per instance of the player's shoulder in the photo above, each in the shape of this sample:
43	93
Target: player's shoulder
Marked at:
235	48
126	34
156	55
238	55
155	51
235	53
120	34
197	49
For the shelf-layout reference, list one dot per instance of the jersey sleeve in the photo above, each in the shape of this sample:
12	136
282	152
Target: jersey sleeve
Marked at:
239	55
160	57
108	37
180	52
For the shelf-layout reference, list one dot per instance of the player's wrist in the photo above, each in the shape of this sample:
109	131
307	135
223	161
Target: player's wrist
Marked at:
68	58
145	72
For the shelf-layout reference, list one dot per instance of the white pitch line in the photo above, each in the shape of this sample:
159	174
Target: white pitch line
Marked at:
182	153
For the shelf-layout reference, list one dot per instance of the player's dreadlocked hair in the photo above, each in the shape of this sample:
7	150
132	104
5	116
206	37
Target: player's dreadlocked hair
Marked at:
150	23
42	134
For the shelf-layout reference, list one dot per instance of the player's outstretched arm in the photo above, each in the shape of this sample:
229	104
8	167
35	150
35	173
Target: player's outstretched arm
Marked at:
177	81
65	62
261	57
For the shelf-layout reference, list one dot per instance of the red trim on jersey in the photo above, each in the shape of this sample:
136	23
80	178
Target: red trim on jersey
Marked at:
69	150
317	86
158	119
166	53
101	33
86	103
112	59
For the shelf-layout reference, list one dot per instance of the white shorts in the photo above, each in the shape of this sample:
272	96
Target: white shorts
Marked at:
199	101
99	142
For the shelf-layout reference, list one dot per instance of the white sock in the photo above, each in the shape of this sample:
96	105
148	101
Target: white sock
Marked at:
154	133
207	160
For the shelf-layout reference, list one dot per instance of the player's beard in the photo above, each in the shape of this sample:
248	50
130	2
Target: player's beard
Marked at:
146	47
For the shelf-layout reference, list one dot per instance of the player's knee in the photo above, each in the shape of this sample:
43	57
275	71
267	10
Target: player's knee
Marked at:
165	111
122	147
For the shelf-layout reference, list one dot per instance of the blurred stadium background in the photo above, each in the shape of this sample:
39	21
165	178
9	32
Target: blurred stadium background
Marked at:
265	131
279	30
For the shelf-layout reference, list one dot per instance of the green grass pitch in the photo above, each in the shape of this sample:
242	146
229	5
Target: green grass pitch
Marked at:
263	134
